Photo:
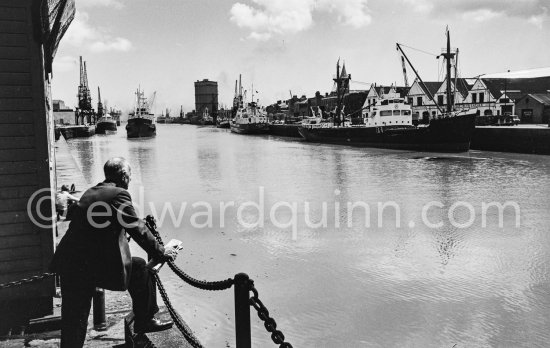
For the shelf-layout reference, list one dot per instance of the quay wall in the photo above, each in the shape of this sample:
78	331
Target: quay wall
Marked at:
285	130
534	140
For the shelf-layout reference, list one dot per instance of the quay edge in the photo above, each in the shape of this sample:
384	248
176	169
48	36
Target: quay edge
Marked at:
532	139
285	130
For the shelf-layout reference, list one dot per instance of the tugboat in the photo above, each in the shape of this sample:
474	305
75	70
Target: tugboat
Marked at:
105	123
207	119
389	124
222	123
249	118
141	122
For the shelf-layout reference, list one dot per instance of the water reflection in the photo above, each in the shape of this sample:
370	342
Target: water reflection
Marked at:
209	166
357	286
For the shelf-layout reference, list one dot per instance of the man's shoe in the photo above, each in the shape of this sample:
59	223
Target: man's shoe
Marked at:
153	325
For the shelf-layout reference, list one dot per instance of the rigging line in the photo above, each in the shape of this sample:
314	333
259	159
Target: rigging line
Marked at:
419	50
360	82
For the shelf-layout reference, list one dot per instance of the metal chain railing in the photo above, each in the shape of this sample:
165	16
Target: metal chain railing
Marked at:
23	281
270	325
180	324
246	286
200	284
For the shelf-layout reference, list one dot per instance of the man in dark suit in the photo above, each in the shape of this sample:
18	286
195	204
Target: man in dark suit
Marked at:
95	253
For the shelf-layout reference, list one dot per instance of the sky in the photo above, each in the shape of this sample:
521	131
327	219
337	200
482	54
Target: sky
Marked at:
286	46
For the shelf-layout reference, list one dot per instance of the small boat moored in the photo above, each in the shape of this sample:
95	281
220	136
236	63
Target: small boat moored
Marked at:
105	125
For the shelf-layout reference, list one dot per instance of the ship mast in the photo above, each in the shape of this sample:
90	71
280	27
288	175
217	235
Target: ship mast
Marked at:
240	92
338	84
448	55
253	103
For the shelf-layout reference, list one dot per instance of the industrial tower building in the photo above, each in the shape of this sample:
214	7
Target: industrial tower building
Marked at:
206	97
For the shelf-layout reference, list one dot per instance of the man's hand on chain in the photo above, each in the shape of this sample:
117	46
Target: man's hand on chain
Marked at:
170	254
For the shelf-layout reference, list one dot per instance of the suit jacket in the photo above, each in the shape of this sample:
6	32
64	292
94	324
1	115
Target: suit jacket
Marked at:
95	249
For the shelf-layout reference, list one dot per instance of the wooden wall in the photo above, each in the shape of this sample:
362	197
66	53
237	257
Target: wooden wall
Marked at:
25	162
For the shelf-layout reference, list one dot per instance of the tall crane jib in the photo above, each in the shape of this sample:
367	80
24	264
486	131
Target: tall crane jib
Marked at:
85	112
406	80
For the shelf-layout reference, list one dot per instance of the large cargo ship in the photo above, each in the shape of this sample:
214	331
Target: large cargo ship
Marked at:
388	123
141	122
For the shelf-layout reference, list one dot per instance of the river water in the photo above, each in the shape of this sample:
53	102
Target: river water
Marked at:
444	278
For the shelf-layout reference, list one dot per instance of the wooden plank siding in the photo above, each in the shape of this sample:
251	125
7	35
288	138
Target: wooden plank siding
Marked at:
25	158
16	117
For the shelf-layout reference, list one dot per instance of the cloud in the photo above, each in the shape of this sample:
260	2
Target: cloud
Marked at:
480	15
116	44
534	11
82	34
276	17
260	36
65	64
101	3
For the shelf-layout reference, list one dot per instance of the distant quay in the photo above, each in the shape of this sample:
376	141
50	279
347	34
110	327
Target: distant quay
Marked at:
533	139
70	132
284	130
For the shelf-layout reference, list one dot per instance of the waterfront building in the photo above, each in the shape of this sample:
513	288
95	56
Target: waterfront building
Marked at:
206	97
354	103
490	100
534	108
493	96
62	115
423	107
29	35
301	107
376	93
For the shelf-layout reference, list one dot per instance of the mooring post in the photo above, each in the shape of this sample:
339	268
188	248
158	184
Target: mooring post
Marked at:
100	322
242	310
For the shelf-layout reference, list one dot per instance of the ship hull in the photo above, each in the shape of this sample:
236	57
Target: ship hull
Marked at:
451	134
105	127
223	124
250	128
140	128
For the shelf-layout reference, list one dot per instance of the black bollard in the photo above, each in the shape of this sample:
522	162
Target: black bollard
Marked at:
242	310
100	323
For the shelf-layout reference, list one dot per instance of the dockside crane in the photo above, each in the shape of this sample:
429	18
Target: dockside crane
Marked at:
406	80
400	49
84	112
100	110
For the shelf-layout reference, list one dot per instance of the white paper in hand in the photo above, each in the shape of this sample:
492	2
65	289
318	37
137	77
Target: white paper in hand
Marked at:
172	244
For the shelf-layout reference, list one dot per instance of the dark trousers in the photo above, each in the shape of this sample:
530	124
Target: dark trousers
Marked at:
77	298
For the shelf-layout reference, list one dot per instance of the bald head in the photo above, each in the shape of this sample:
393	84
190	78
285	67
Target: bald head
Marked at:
118	171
